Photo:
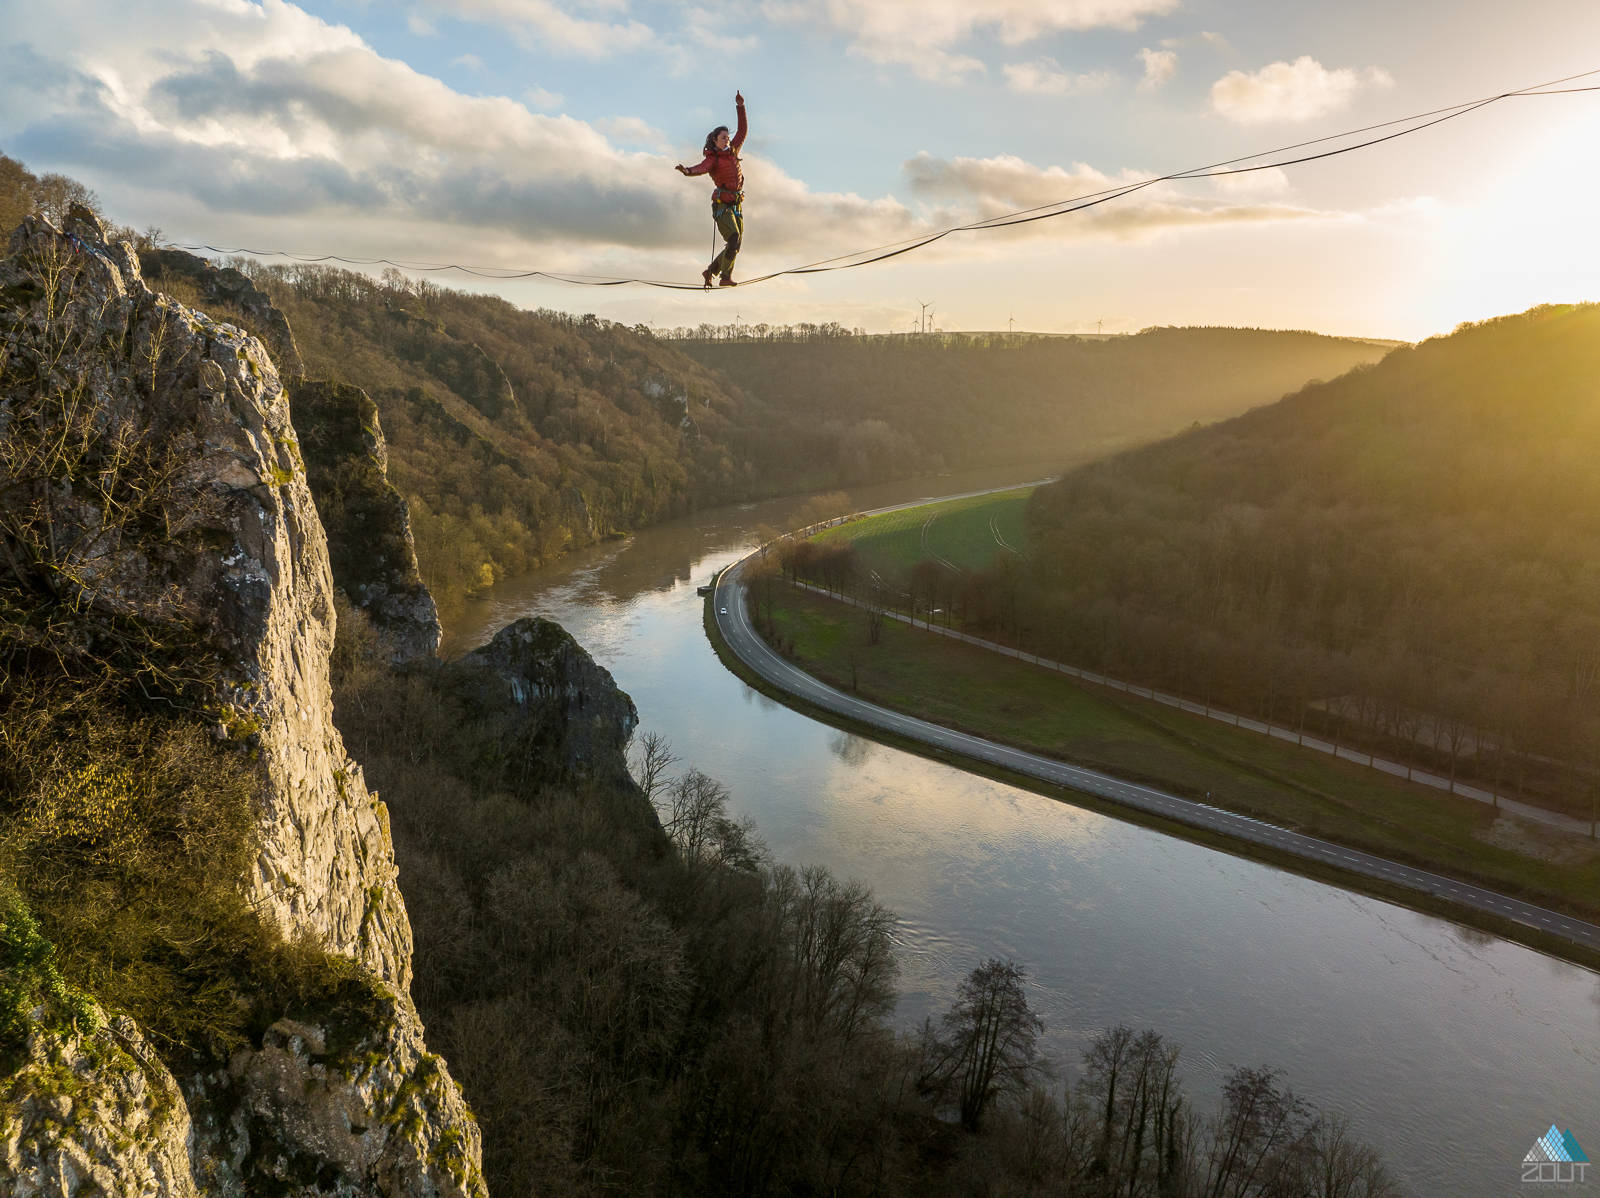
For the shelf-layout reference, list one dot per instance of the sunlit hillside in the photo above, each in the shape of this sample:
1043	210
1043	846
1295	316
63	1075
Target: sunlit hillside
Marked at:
984	400
1416	544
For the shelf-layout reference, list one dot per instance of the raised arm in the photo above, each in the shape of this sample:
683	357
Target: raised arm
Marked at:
744	125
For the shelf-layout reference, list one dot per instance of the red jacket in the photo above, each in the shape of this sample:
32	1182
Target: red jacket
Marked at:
723	165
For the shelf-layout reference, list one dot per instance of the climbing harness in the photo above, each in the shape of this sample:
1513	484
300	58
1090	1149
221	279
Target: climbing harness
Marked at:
882	253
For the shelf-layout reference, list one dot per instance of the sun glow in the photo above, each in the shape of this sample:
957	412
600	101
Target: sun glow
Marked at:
1532	237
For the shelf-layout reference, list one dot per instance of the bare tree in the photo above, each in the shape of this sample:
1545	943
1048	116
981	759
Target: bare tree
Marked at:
1258	1136
840	946
652	758
55	195
1146	1130
987	1045
699	825
875	605
1340	1166
820	508
762	576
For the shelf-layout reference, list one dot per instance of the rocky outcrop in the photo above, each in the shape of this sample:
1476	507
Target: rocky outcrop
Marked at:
230	543
336	1110
366	520
226	292
261	590
576	721
368	525
93	1114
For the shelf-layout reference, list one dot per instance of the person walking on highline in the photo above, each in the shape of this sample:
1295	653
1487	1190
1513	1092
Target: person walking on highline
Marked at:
727	198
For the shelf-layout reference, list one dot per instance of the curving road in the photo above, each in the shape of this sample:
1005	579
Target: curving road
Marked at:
733	622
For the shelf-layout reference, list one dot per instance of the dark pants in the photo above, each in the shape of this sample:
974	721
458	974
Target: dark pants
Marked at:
730	223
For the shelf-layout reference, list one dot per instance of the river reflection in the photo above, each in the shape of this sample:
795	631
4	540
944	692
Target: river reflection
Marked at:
1452	1049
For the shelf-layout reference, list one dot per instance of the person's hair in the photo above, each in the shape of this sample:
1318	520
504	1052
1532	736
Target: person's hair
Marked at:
711	138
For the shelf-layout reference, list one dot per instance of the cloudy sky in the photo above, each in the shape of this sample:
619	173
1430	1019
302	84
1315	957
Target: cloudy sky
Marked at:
542	134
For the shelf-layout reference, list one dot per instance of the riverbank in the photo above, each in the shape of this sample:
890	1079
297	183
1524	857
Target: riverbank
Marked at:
1016	704
1366	1004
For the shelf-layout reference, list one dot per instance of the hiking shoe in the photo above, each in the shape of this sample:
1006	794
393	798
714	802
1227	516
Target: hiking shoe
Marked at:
727	281
706	275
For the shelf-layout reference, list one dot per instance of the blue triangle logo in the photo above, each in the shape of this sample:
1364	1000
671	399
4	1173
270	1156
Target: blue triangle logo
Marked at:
1570	1143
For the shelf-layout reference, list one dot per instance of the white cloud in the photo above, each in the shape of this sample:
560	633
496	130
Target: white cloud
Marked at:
1290	91
469	61
631	131
565	27
262	124
1045	77
264	121
1159	67
538	97
921	34
713	28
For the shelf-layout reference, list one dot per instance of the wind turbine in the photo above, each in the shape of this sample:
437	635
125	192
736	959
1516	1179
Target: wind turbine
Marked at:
1099	325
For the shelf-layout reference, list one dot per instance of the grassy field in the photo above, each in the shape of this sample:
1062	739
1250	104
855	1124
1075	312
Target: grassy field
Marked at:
972	689
966	533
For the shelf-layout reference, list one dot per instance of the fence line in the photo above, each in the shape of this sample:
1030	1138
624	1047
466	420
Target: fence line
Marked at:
1409	773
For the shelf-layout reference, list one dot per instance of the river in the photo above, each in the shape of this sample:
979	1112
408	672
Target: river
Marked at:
1451	1049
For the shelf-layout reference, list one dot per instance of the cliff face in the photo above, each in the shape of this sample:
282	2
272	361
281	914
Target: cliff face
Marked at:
346	460
264	593
98	1114
577	721
251	571
369	529
228	291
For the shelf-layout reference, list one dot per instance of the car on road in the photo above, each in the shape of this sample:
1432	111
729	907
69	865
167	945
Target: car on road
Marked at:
724	611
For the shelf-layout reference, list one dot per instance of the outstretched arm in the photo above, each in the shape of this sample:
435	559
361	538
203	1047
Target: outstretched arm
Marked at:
699	168
744	125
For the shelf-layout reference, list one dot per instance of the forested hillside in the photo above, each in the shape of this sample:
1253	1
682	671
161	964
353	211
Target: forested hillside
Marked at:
1414	546
922	404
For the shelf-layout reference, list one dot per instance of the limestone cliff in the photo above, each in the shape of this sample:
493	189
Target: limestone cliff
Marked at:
369	528
244	560
366	520
95	1114
223	291
577	721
